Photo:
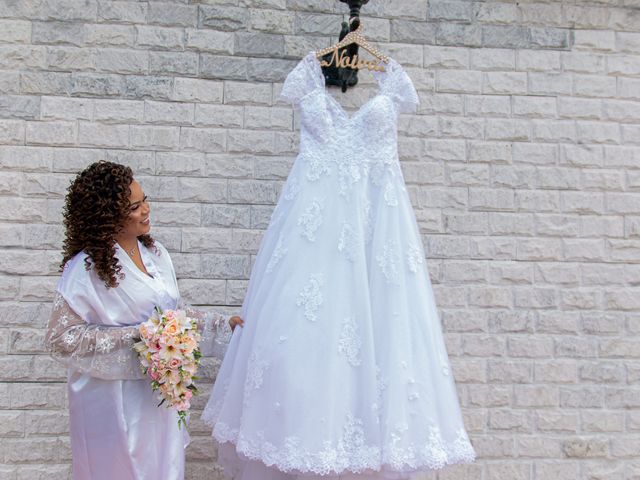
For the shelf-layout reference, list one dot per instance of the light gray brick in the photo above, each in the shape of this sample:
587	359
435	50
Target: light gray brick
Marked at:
91	84
493	59
203	190
504	83
116	111
593	85
70	58
159	37
15	31
243	93
122	11
203	139
271	118
139	87
628	42
549	37
198	292
53	33
229	166
14	57
583	62
101	135
210	41
497	36
534	60
533	107
172	14
219	115
168	112
197	90
549	83
272	21
12	132
560	131
168	63
155	137
250	141
20	106
582	108
223	18
458	35
68	10
52	83
223	67
51	133
496	13
110	35
238	216
225	266
409	31
60	108
510	130
268	70
459	81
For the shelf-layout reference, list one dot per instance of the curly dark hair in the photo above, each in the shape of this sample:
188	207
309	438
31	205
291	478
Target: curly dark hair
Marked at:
95	211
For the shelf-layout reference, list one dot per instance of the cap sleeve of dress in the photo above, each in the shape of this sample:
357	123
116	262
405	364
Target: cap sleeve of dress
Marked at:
399	87
302	80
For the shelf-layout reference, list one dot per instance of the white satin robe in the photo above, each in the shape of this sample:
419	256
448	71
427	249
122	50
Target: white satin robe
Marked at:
117	431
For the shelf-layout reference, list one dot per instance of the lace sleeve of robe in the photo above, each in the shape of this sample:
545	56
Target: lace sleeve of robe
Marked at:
103	352
214	328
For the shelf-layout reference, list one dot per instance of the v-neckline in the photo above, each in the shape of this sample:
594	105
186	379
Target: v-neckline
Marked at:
325	91
144	274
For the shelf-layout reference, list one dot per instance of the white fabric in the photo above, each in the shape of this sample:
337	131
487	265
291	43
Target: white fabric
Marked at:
341	368
117	431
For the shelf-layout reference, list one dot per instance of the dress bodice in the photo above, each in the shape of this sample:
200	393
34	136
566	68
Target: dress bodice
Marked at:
356	143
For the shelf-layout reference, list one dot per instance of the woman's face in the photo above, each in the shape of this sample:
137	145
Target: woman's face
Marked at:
138	222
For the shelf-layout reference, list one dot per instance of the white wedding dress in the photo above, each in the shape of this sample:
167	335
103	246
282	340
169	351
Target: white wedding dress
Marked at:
341	368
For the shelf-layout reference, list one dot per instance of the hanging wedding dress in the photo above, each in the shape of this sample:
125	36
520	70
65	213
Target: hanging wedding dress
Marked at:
341	369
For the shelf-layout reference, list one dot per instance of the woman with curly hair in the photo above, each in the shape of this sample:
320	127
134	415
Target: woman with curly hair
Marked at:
114	274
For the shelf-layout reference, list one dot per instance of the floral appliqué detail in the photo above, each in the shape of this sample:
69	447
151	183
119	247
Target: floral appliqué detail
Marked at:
390	196
310	298
350	342
293	188
348	242
311	220
255	372
388	262
278	252
368	221
414	259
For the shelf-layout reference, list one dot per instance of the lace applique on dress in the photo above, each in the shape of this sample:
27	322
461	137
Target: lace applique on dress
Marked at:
255	371
390	196
293	188
368	221
414	258
350	342
311	220
348	242
278	252
388	262
310	298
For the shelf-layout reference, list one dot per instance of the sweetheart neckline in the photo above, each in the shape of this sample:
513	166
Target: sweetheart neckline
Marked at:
323	87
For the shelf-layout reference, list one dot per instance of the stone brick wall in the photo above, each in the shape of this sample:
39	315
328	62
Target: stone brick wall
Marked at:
523	164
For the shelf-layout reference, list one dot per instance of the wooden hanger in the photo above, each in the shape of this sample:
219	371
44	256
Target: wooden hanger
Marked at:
354	62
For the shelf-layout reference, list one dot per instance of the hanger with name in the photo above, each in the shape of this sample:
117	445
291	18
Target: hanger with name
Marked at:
341	59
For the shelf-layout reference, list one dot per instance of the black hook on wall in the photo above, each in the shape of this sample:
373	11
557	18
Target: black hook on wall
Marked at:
345	77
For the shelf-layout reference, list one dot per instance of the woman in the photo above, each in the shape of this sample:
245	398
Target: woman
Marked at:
114	274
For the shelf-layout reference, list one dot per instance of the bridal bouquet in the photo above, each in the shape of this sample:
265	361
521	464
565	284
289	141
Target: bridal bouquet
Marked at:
169	355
